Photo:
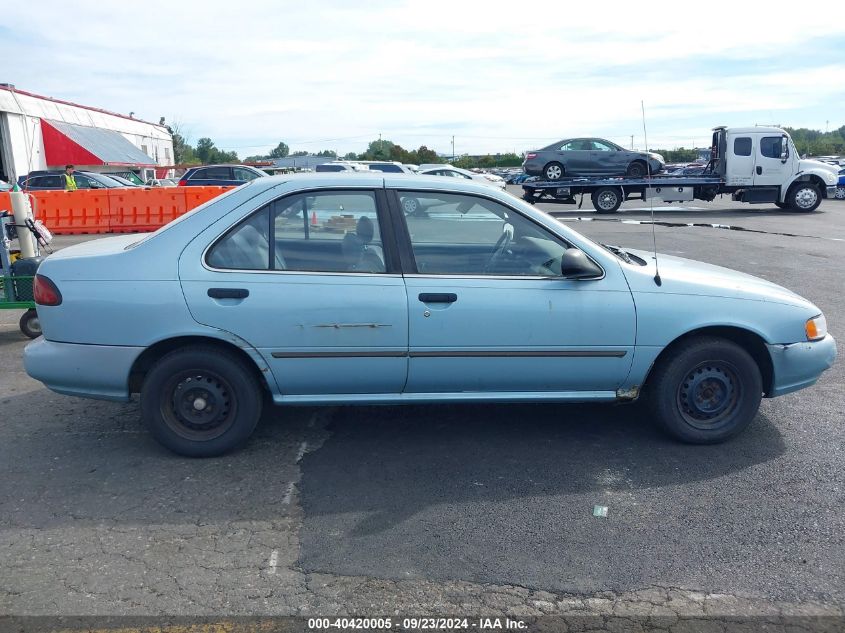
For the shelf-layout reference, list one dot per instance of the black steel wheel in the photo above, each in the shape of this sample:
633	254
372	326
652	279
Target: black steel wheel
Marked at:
637	169
201	401
706	390
29	324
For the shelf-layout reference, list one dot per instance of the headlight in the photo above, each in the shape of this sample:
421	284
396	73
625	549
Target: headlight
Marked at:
816	328
831	178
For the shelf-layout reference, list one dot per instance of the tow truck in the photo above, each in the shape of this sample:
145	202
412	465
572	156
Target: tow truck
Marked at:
757	165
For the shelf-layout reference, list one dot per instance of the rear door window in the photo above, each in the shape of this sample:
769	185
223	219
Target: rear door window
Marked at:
742	146
244	174
213	173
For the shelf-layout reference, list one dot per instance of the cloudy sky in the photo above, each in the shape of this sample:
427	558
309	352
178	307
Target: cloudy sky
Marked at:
499	76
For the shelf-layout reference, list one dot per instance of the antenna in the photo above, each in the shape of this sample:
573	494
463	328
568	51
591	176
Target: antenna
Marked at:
657	279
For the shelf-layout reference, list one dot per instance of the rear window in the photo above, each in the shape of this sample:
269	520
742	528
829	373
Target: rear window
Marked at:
742	146
330	168
393	169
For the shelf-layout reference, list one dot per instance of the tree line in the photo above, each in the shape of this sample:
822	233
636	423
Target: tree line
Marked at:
810	142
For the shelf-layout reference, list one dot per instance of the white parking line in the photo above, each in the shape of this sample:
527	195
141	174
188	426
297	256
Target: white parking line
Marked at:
274	560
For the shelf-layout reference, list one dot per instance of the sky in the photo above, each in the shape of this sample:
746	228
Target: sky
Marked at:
498	76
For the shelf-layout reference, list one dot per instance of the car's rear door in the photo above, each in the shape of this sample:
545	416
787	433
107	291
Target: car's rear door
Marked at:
309	280
488	312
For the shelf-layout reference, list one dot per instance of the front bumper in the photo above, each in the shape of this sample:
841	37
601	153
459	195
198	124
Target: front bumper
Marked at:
87	371
831	191
799	365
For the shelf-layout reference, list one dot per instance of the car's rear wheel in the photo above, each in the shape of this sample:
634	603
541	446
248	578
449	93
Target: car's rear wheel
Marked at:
637	169
708	390
410	206
29	324
553	171
201	401
607	199
804	197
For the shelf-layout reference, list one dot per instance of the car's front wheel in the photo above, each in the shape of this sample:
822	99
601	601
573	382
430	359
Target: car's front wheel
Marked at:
201	401
706	391
804	197
637	169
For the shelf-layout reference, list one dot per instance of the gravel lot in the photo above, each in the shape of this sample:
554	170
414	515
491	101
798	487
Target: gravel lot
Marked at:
447	509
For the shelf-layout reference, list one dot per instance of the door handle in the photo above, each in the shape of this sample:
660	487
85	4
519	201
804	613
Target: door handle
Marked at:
228	293
438	297
759	170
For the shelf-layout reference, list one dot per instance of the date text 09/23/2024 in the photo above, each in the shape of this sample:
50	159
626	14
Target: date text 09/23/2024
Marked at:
417	624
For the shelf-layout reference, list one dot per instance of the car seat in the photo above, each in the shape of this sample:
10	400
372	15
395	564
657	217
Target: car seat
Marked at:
357	253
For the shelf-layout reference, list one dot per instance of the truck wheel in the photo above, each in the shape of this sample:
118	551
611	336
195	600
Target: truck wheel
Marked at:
637	169
29	324
553	171
201	402
804	197
607	199
708	390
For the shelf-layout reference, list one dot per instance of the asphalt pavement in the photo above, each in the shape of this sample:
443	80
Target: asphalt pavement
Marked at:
445	509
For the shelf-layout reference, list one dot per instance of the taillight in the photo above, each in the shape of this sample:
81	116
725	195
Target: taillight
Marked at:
183	183
45	292
531	156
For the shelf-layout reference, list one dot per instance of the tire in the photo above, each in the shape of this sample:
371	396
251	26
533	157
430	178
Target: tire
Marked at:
180	382
637	169
781	205
839	194
410	206
29	324
708	390
607	199
803	197
553	171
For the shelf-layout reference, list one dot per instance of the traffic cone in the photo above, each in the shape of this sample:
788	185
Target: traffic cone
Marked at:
313	218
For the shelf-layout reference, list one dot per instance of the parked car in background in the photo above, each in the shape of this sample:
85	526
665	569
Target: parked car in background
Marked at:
52	180
839	194
590	157
464	174
319	290
126	174
338	166
220	176
5	186
388	167
162	182
124	181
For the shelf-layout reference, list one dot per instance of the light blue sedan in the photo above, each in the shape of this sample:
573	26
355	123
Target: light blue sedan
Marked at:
343	289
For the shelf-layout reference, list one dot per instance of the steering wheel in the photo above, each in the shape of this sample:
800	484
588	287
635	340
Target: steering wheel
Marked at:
498	250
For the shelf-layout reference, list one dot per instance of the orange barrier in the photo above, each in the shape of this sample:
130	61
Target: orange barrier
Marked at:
144	210
124	210
195	196
73	212
5	202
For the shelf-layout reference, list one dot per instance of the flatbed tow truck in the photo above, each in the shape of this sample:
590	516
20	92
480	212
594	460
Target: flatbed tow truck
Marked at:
757	165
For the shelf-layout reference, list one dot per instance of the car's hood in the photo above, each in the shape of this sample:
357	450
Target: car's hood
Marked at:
806	164
688	276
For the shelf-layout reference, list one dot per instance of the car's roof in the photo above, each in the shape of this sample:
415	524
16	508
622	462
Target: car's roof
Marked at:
376	179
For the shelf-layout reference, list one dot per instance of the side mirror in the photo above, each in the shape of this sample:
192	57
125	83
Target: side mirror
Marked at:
95	185
784	152
574	264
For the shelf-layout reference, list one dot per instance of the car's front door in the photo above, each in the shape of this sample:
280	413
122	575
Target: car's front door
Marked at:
608	160
489	311
773	162
576	157
308	281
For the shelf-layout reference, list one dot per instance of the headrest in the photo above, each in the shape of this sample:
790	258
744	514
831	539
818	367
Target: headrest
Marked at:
365	229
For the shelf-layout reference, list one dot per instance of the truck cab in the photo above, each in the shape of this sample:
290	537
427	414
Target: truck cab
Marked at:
761	165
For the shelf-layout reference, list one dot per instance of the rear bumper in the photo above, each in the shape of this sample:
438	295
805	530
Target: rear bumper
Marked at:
532	167
87	371
799	365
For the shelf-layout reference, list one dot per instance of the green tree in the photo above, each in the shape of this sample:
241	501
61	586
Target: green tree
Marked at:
280	151
350	156
205	147
300	153
329	153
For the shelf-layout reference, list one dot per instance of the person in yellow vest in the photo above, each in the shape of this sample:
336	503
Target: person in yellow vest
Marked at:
70	181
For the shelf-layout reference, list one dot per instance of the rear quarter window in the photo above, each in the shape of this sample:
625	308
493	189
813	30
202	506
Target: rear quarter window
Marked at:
742	146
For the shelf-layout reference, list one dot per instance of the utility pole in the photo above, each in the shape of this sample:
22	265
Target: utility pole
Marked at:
632	141
380	146
453	148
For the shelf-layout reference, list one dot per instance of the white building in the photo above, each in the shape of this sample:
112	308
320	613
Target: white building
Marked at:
38	132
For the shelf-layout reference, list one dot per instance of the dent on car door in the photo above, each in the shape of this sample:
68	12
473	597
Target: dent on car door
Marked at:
308	280
490	312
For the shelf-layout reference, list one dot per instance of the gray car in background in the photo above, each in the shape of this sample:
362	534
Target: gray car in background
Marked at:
590	157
